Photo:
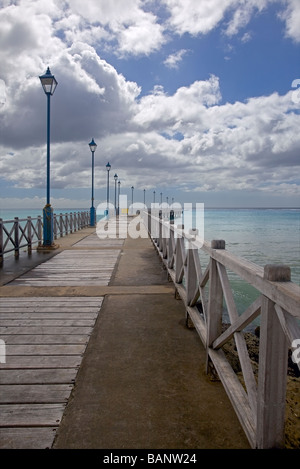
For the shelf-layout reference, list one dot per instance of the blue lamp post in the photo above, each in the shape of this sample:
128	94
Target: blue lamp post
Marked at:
49	84
116	178
108	166
119	192
93	147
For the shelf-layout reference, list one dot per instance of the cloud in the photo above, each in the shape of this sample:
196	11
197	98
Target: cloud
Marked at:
134	30
291	16
169	112
196	16
173	60
200	16
245	145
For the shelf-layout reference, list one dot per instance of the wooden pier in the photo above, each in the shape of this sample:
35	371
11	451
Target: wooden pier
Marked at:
98	355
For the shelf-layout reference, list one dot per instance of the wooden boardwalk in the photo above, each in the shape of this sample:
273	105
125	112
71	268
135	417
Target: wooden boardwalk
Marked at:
45	339
98	322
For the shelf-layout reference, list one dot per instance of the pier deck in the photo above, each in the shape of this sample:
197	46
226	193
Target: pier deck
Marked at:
98	354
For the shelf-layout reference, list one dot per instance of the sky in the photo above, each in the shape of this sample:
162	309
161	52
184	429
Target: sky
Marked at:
197	100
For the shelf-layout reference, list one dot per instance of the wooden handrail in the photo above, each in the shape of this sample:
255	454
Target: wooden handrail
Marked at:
23	233
259	402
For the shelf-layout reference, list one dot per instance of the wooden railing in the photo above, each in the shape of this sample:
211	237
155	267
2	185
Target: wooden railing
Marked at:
259	400
19	233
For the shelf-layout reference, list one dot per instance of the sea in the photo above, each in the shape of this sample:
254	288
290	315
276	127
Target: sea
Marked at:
260	235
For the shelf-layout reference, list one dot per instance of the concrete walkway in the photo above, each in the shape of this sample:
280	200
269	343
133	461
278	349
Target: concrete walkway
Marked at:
142	383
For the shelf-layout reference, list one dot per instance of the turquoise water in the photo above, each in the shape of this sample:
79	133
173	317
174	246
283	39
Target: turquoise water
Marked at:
262	236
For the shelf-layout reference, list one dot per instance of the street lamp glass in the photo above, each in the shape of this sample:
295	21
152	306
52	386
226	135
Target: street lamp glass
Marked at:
48	82
92	145
116	177
108	166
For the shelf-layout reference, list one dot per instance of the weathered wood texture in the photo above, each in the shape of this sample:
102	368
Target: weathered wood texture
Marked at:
259	407
45	339
73	268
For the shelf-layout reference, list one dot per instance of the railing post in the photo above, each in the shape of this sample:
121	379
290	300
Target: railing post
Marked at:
29	231
1	242
39	229
159	243
179	256
16	237
191	277
67	223
215	302
273	362
75	221
171	243
61	225
54	226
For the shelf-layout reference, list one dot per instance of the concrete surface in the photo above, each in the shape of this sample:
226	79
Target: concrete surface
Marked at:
142	383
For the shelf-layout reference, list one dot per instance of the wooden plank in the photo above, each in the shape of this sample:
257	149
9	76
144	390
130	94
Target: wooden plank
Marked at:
47	322
46	315
46	339
273	363
235	392
53	349
38	376
43	361
41	415
73	268
50	330
27	438
55	307
240	342
34	393
54	299
289	324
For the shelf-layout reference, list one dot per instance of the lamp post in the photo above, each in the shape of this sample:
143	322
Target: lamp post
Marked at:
154	197
160	198
144	197
132	197
115	178
108	166
49	84
93	147
119	191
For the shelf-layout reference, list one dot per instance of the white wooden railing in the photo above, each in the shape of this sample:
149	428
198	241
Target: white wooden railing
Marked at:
19	233
258	400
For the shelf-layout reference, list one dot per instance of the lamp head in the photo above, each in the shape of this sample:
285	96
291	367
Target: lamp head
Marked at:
92	145
48	82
